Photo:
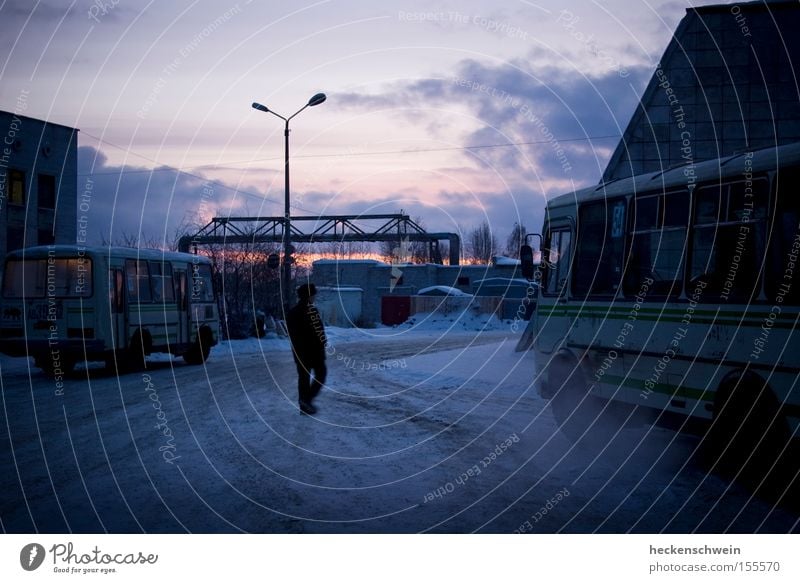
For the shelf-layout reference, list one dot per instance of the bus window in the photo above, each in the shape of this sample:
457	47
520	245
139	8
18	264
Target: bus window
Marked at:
57	277
783	280
138	278
180	289
557	262
73	277
116	289
161	279
729	239
25	279
601	242
657	244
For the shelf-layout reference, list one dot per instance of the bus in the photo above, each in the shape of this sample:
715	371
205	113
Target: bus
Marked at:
62	304
677	294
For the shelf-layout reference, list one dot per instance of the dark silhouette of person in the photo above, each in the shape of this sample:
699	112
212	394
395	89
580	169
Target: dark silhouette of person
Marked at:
307	335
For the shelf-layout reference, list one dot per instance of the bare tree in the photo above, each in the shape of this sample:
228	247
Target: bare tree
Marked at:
516	239
125	239
482	243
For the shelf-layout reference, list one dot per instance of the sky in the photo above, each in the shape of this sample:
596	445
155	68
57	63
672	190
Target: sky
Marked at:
452	112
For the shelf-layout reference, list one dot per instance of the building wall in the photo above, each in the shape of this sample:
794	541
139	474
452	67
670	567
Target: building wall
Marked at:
726	83
41	159
378	279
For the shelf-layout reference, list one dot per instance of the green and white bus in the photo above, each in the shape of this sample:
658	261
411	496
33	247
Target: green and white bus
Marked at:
62	304
677	293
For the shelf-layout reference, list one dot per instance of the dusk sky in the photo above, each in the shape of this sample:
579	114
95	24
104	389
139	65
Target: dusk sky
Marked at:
421	99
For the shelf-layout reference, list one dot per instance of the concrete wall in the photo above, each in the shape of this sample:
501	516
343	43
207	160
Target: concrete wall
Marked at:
724	84
37	148
339	306
379	279
455	305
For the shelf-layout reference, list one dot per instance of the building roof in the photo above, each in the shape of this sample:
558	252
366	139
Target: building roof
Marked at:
11	113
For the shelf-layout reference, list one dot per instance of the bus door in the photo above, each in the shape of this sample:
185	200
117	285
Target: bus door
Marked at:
184	320
553	317
119	316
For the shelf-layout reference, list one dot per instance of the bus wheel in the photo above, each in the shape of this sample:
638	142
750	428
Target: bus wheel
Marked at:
581	417
200	350
749	438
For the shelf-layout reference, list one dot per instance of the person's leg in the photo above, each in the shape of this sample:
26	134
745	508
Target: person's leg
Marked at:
303	383
320	374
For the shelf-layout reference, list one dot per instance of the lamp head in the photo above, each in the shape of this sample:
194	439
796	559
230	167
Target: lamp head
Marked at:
316	99
260	107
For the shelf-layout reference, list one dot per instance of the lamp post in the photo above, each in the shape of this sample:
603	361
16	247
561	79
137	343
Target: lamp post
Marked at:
287	227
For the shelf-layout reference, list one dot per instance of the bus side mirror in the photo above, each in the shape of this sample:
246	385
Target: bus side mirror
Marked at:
526	259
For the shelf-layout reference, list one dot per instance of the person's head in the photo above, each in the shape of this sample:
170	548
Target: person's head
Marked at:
306	292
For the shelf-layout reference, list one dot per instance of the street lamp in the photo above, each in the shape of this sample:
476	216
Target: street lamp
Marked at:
287	245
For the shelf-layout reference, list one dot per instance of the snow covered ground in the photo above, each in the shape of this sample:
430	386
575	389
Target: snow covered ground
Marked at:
431	426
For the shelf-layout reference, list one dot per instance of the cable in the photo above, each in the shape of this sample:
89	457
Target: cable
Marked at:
341	155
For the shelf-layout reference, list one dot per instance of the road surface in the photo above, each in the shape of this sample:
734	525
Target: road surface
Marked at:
415	433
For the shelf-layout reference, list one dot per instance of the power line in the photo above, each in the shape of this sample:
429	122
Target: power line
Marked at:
331	155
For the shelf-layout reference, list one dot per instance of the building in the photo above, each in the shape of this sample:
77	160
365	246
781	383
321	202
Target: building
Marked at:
376	280
38	182
726	83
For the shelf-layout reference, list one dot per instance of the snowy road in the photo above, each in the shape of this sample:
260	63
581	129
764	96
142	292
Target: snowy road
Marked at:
420	430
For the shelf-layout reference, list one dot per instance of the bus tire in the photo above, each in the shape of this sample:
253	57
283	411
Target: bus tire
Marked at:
581	417
200	350
749	437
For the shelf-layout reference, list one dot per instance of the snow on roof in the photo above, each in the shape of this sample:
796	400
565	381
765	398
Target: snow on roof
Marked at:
503	281
444	290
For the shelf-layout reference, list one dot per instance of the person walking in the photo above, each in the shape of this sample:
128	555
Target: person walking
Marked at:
307	336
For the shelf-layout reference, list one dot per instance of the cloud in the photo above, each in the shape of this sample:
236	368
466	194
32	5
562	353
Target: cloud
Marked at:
553	122
152	204
567	122
155	206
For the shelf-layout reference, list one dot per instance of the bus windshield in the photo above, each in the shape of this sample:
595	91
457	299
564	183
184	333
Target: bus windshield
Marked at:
52	277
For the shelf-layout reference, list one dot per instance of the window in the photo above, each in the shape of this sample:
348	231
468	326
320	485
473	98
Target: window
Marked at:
783	279
16	187
161	278
25	279
600	247
52	277
180	289
729	239
47	191
15	238
46	237
138	280
658	239
557	260
73	277
116	291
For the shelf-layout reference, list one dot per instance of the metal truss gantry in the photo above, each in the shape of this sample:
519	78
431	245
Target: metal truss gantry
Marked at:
322	229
